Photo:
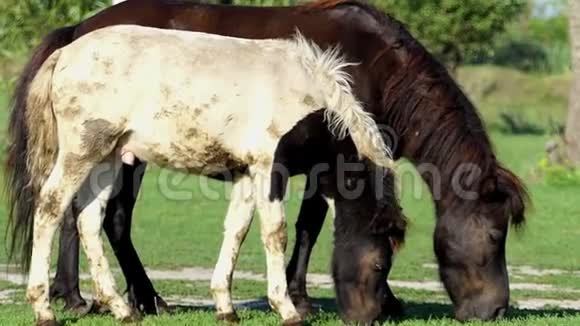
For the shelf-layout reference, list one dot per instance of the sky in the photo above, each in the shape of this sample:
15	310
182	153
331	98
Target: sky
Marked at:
547	8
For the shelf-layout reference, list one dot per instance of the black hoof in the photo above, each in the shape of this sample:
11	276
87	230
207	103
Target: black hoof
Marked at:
49	322
162	306
79	310
72	298
150	305
293	322
231	318
303	305
135	317
99	308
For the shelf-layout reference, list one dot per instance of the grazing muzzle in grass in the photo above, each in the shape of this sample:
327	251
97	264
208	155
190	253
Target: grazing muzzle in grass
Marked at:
365	241
470	239
360	276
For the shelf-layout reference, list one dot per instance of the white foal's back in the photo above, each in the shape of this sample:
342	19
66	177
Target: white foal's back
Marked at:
203	102
188	93
182	100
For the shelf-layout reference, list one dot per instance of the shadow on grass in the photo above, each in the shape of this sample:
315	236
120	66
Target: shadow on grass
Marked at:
431	310
419	311
260	304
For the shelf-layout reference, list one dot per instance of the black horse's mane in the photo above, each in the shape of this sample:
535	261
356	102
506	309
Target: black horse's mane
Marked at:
428	110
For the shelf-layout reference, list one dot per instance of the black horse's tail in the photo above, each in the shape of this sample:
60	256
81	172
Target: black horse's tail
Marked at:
19	189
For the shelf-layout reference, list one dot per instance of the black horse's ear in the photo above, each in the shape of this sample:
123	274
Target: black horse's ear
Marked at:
398	232
517	208
516	192
488	188
393	226
397	241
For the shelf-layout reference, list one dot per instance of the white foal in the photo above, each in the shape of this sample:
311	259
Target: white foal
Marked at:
187	101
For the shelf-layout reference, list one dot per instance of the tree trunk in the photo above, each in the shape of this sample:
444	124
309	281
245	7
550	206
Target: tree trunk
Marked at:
573	122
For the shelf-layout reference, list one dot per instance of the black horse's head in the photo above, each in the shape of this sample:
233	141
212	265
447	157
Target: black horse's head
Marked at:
470	239
369	228
369	224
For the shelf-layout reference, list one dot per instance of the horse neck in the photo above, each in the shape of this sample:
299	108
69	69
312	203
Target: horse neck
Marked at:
352	217
435	126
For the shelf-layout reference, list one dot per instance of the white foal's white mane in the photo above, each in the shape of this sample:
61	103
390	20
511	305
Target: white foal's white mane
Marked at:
344	112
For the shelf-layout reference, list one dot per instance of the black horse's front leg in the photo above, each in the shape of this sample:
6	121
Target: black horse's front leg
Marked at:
117	225
66	282
310	220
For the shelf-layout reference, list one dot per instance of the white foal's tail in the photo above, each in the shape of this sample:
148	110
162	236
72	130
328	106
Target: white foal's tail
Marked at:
343	111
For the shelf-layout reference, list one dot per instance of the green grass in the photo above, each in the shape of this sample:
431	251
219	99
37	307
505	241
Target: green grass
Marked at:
536	99
422	312
421	309
3	117
182	233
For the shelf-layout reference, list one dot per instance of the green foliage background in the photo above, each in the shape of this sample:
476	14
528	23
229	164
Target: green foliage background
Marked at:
535	45
503	32
455	29
24	22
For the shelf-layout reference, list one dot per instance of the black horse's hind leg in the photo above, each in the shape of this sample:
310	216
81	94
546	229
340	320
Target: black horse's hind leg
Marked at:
308	226
117	225
66	282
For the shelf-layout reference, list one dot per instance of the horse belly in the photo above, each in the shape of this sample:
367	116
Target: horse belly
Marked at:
189	149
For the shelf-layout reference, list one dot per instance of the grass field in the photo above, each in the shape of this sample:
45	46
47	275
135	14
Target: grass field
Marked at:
175	234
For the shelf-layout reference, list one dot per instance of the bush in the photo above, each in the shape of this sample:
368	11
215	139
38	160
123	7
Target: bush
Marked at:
536	42
529	55
558	174
524	55
24	22
549	29
455	29
558	58
516	124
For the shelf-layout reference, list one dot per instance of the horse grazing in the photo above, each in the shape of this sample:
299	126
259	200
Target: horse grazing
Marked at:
369	224
183	101
433	124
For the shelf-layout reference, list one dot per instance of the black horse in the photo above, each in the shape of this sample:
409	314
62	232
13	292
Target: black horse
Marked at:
432	123
369	223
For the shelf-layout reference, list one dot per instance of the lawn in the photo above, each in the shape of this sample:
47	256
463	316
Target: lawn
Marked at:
184	230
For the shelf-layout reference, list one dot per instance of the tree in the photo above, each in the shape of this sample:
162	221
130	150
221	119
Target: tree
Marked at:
24	22
265	2
455	29
573	122
255	2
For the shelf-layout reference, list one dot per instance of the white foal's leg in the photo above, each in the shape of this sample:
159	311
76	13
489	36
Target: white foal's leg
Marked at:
55	197
236	225
92	200
274	236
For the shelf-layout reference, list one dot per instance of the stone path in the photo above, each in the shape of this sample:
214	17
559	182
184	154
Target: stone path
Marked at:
324	281
529	271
